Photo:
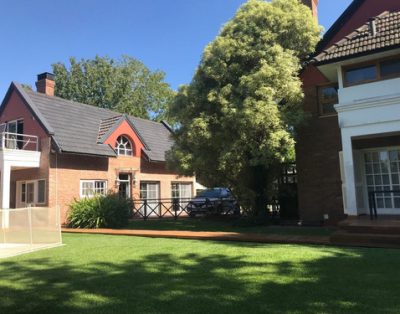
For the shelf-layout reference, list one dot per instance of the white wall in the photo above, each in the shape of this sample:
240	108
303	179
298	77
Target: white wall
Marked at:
370	90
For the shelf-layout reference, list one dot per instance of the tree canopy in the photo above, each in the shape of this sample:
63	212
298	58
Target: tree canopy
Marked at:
125	85
237	115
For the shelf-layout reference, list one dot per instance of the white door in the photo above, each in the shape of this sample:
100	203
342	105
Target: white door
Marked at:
150	191
124	185
183	192
25	195
382	173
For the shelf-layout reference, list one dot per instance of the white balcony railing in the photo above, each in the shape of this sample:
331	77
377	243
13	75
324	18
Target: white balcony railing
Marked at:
19	141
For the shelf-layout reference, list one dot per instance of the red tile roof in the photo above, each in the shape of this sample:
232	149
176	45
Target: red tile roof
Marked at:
380	33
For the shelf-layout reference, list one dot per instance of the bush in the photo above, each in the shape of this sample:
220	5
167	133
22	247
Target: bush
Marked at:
108	211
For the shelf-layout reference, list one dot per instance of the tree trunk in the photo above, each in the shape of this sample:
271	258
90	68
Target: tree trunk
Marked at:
260	175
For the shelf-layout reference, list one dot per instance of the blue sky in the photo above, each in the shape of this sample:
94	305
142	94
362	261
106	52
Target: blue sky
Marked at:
166	35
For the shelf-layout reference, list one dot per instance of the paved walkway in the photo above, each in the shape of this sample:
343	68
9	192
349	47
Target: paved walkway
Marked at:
217	236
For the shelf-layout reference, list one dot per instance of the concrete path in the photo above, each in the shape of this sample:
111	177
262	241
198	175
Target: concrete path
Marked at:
217	236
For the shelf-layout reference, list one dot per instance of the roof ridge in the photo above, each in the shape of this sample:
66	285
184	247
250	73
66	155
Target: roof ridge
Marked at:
91	106
71	101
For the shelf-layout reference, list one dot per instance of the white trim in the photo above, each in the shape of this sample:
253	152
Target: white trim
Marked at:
371	102
128	181
387	211
94	183
18	191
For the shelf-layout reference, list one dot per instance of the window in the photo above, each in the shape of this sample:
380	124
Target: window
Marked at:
328	97
31	192
16	126
149	190
41	191
90	188
123	146
12	140
390	68
23	192
382	171
361	75
373	71
181	190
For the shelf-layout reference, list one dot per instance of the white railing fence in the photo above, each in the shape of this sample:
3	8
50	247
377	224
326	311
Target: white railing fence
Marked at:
19	141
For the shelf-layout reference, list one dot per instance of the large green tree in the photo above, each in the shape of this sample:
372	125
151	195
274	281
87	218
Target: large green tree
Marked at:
237	115
125	85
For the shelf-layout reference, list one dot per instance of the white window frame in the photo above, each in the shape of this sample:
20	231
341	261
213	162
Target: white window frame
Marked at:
35	183
155	183
82	182
386	210
180	189
124	146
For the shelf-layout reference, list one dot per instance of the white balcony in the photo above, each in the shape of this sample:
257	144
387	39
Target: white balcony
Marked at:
17	151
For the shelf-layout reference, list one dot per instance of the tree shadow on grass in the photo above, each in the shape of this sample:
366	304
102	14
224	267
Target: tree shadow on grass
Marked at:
340	281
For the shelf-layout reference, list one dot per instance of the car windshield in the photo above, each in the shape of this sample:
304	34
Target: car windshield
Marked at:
212	193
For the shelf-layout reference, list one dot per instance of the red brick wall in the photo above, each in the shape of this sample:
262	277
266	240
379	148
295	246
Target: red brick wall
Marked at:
16	109
319	141
32	173
67	170
317	150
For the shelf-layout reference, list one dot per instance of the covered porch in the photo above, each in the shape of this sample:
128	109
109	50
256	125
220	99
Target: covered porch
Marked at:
370	156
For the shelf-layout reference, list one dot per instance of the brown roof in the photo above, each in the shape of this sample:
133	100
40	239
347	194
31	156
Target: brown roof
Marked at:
106	125
380	33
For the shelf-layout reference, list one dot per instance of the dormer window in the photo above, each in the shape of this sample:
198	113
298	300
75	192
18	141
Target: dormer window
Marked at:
123	146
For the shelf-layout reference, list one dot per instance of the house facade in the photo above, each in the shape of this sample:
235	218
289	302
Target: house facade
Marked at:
349	149
54	151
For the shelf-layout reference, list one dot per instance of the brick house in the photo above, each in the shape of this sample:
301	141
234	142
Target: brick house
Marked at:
55	150
349	149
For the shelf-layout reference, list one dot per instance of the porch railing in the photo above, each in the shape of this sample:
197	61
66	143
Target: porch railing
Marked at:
179	207
373	210
19	141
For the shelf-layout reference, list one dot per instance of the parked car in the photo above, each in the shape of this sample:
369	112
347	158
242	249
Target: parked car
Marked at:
214	201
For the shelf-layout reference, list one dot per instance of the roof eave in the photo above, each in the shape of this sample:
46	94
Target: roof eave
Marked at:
353	56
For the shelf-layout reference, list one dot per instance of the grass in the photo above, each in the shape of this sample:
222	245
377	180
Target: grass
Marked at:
118	274
224	225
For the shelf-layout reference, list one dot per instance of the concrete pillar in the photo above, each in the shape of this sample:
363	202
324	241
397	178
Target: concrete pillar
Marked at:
5	173
350	185
5	186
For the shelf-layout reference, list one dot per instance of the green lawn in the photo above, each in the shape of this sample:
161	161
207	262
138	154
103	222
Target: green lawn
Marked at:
117	274
209	224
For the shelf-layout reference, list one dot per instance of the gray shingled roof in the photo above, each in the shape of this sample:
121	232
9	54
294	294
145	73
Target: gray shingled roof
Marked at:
382	32
76	126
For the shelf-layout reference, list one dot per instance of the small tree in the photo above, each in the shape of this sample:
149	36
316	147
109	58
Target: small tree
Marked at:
124	85
237	115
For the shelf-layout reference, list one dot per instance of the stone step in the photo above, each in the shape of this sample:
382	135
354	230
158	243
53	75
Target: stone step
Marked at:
342	237
378	229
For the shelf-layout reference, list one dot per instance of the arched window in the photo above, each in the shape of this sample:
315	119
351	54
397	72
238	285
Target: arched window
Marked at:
123	146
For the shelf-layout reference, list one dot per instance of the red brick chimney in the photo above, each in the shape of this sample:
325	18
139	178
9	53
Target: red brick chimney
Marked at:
313	5
45	83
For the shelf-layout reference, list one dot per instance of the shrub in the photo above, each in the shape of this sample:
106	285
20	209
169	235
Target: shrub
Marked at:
108	211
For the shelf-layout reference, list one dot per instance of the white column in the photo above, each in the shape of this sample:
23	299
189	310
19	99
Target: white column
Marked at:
5	173
5	185
348	166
